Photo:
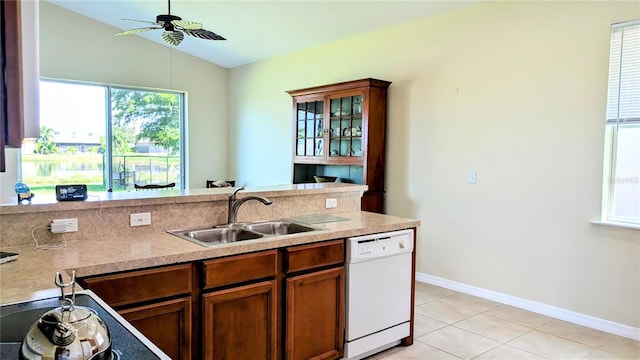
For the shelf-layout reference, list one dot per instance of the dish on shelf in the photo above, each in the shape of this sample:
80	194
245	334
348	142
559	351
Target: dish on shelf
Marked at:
323	179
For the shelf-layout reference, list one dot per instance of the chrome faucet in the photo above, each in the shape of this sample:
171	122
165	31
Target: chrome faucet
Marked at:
234	204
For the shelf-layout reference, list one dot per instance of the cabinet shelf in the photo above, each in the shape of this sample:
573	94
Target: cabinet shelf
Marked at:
339	130
354	117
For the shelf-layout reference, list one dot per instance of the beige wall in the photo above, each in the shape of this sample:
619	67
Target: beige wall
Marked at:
513	90
75	47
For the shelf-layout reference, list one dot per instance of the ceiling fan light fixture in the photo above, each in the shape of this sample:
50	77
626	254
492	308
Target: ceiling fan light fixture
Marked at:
175	28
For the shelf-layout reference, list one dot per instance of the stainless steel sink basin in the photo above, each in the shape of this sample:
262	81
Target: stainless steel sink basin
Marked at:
229	233
278	228
216	236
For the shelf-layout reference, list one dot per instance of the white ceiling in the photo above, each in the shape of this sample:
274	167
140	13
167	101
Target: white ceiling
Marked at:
257	30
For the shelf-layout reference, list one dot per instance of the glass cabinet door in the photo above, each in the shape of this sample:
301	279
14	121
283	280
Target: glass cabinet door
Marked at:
310	129
345	138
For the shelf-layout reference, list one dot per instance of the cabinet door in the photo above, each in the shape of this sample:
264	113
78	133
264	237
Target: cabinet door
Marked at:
11	79
309	129
167	324
315	315
240	323
346	128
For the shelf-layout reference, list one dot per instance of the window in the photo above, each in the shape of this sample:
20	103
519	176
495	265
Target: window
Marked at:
106	137
621	189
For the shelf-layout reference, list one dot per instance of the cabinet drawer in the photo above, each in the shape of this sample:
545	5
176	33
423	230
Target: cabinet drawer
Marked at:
241	268
311	256
142	285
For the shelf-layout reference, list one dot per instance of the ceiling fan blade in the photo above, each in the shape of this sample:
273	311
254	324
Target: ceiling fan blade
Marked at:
203	34
144	21
138	30
174	37
185	24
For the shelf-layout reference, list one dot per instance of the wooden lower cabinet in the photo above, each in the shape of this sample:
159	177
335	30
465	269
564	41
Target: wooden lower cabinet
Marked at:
156	301
285	303
314	315
167	324
241	322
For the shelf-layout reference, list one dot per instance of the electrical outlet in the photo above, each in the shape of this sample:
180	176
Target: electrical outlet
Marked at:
331	203
140	219
59	226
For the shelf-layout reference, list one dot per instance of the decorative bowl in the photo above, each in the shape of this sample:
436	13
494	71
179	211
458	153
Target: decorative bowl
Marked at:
323	179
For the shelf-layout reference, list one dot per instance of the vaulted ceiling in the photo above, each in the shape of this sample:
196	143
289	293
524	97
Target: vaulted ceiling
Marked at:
257	30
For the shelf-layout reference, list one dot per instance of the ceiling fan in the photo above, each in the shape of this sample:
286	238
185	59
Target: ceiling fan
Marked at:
174	27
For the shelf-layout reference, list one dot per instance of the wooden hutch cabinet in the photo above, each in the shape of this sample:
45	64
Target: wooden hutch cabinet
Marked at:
339	130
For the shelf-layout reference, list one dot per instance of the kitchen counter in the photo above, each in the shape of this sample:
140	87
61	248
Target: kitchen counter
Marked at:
32	275
48	203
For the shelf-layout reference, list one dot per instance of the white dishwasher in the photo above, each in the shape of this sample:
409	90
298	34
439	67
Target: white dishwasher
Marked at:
378	292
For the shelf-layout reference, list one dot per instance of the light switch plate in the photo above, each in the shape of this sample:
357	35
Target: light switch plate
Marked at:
472	177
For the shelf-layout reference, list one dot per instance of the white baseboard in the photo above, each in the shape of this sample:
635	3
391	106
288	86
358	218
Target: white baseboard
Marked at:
540	308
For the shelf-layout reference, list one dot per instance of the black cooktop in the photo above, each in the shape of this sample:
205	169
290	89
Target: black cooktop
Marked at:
16	320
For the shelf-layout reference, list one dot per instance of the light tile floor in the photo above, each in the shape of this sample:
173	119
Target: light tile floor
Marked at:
452	325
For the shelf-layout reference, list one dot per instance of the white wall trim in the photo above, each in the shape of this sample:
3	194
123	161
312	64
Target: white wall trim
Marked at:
540	308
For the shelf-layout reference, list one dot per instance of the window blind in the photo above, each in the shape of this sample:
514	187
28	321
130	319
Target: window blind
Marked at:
623	100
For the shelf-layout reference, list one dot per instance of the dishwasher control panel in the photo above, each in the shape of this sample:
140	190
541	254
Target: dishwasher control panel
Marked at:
374	246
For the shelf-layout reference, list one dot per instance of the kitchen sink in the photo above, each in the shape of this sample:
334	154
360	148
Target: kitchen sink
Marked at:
228	233
216	236
278	228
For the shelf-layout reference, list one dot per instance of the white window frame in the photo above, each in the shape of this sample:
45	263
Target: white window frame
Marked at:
623	111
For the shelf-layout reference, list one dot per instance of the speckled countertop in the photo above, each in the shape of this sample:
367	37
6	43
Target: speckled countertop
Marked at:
32	275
